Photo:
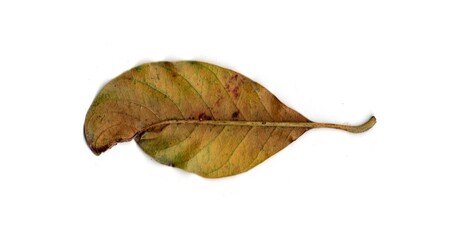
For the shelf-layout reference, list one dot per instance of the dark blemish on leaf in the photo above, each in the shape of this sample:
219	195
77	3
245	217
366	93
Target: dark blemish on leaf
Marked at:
203	117
235	115
174	75
235	91
234	84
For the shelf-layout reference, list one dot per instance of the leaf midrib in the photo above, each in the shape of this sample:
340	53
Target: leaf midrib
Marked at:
284	124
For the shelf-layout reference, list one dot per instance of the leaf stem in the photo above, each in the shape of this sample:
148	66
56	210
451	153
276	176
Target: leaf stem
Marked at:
353	129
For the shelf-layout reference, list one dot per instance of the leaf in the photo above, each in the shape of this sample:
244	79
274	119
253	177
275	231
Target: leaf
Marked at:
195	116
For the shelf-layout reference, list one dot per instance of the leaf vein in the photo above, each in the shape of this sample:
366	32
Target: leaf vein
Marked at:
103	131
206	145
192	86
261	149
234	150
222	85
159	91
261	102
127	100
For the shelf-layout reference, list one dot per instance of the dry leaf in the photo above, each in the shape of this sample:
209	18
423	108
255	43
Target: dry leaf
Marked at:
196	116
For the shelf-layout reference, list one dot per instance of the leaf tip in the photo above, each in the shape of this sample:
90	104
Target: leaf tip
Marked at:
98	147
97	151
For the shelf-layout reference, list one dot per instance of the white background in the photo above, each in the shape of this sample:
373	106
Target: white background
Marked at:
333	61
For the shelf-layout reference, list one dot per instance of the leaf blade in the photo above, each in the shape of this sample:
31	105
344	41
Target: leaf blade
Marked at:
196	116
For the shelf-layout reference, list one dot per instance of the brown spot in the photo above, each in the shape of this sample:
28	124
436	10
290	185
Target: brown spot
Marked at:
235	115
234	84
203	117
235	91
234	77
